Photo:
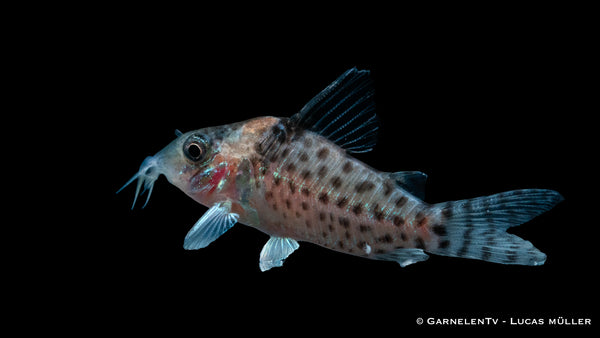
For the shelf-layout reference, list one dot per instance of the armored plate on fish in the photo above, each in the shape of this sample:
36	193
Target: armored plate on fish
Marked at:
295	180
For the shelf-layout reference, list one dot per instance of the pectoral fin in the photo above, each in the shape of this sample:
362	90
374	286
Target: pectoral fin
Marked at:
275	251
215	222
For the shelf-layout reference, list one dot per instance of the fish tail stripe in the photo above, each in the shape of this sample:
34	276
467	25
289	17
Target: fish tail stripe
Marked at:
476	228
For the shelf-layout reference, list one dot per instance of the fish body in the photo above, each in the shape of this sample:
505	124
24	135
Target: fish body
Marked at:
295	180
309	189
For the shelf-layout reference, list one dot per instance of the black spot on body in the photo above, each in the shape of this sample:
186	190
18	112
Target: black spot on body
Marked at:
306	174
304	206
344	222
273	157
342	202
398	221
322	153
288	204
303	157
357	209
322	171
305	191
420	219
439	230
276	180
336	182
377	213
290	167
364	228
387	188
448	212
347	168
401	201
364	186
323	198
419	244
387	238
322	216
292	187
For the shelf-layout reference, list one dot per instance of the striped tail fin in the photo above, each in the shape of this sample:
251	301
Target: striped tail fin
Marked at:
476	228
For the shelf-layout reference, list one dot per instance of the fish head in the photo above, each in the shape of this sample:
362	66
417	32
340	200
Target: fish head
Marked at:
210	164
192	162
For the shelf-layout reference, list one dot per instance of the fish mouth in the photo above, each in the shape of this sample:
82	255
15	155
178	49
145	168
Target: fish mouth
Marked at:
146	176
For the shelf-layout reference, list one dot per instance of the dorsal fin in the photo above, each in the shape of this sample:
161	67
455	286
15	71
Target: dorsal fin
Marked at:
411	181
344	112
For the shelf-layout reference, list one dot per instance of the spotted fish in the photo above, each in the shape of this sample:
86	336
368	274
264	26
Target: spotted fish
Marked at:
294	179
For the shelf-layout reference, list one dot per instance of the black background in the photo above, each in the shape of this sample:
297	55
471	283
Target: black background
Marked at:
481	103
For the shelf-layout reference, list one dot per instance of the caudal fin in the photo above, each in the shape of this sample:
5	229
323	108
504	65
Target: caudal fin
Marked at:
476	228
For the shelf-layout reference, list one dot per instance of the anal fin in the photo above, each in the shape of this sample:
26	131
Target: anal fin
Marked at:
275	251
404	257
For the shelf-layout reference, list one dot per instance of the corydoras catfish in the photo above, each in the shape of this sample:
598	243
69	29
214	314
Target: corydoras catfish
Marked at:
294	179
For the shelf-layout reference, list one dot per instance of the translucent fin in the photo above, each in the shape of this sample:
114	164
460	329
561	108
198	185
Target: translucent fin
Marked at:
411	181
344	112
404	257
275	251
501	210
215	222
476	228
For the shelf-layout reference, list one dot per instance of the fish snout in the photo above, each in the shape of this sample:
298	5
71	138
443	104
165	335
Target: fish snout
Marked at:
150	168
148	173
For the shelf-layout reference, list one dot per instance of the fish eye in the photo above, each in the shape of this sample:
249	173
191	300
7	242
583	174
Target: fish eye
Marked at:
195	148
